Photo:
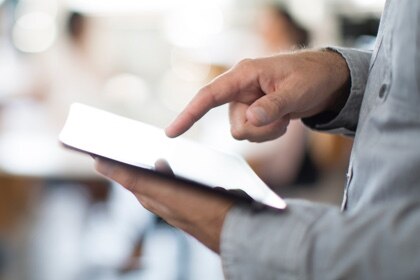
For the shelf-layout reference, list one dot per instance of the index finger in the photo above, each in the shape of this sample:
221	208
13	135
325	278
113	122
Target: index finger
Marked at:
220	91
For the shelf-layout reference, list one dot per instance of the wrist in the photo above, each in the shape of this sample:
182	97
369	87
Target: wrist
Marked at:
340	77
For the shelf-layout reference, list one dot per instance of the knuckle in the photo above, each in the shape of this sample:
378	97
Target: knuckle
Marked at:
277	103
191	116
208	95
246	64
267	133
254	140
258	138
205	90
130	182
145	203
237	133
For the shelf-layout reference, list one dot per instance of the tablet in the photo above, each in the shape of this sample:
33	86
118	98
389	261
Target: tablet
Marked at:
97	132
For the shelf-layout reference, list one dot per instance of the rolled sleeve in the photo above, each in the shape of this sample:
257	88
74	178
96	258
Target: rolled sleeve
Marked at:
266	244
316	241
345	122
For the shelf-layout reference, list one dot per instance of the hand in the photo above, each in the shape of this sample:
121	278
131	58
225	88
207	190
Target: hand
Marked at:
199	213
264	94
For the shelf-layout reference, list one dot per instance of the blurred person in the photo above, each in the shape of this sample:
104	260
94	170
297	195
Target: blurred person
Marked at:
371	95
280	32
85	228
68	73
14	72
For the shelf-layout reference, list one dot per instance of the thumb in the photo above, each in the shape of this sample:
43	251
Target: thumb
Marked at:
266	110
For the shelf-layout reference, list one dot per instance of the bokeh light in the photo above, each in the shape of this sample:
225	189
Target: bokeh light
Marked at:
175	93
186	67
118	7
45	6
127	90
193	23
370	3
34	32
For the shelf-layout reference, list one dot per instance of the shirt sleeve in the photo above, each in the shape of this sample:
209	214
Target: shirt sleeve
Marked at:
315	241
345	122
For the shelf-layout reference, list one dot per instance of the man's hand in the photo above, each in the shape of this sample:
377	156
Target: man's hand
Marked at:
264	94
199	213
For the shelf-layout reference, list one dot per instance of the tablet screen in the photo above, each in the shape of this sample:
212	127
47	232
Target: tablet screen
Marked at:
135	143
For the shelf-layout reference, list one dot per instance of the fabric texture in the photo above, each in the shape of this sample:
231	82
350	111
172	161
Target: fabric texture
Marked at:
374	236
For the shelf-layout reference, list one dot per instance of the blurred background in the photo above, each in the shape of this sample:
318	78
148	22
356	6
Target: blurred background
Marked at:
143	59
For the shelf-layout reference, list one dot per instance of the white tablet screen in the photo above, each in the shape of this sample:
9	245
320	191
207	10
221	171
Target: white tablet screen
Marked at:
135	143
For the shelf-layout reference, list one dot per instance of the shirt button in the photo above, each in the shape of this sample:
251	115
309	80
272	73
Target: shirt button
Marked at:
382	91
349	173
349	176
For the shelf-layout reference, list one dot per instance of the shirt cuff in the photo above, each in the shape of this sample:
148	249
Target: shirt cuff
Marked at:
345	122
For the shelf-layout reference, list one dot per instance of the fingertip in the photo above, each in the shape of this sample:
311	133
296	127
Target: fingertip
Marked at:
177	127
169	131
237	132
163	166
97	164
174	131
103	166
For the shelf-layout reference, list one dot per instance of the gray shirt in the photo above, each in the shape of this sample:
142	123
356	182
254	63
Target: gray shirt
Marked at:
376	234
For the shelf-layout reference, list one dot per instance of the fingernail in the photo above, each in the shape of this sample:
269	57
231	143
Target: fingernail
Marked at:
260	115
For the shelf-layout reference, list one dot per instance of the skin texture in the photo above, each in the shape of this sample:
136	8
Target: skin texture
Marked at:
196	212
264	94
